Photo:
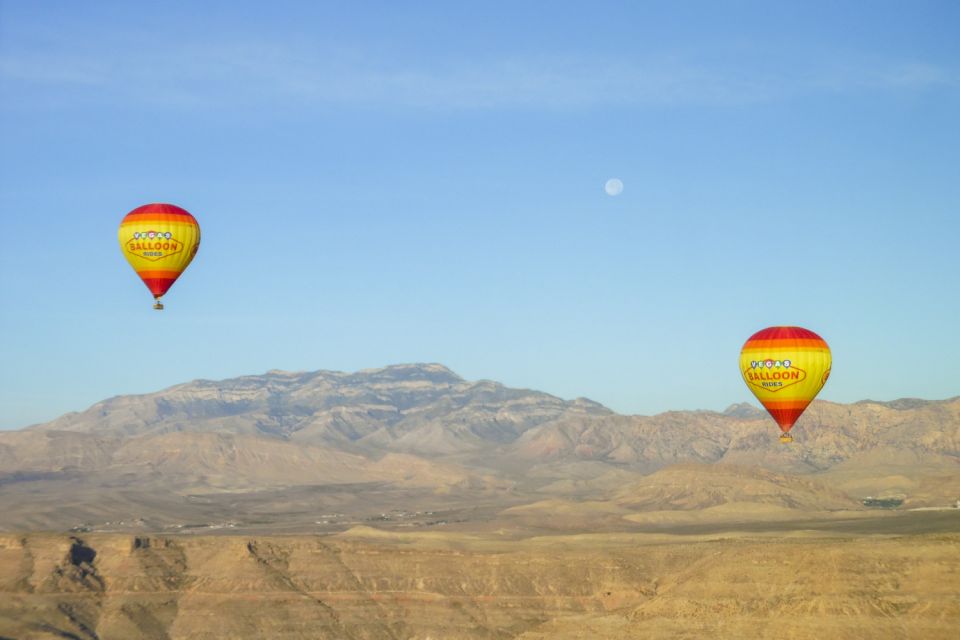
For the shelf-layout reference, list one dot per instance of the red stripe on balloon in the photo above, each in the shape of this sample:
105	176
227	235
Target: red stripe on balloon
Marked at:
785	418
785	333
159	207
158	286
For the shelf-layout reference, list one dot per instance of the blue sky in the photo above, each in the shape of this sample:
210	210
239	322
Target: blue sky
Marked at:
415	182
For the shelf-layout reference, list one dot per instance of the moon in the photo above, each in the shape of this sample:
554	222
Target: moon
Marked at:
614	187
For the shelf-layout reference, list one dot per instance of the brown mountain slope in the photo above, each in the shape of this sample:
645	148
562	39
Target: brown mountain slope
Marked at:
428	410
698	486
826	434
403	407
343	588
692	494
419	438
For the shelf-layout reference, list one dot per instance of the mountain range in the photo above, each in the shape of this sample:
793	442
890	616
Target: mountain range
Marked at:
331	449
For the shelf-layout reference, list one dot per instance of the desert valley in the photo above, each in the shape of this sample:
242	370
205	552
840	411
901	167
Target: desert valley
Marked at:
406	502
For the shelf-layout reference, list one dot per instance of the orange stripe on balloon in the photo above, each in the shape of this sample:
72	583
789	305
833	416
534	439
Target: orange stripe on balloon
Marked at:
159	274
149	218
779	353
786	404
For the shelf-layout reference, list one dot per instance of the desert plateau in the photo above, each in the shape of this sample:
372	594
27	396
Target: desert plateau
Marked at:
407	502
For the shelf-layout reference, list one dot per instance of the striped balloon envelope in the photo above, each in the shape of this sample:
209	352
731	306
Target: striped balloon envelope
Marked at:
159	241
785	368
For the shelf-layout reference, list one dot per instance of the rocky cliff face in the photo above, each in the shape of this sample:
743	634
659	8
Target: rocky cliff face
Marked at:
152	587
426	408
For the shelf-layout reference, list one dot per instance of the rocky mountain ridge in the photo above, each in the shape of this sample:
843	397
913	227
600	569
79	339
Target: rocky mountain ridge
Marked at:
421	437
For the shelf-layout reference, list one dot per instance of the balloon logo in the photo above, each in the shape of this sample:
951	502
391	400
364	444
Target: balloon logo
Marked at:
159	241
785	368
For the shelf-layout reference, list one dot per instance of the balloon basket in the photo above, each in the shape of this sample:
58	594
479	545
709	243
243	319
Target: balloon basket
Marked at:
158	305
786	438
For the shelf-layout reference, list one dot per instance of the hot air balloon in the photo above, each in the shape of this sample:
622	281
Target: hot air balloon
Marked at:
785	367
159	241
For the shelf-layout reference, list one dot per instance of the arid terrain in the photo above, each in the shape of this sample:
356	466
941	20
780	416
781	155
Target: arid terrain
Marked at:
406	502
365	583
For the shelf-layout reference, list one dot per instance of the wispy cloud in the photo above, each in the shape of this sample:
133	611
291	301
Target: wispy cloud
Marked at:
250	73
912	76
49	70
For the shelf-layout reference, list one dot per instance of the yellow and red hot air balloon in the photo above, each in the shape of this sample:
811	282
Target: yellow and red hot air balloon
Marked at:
159	241
785	367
